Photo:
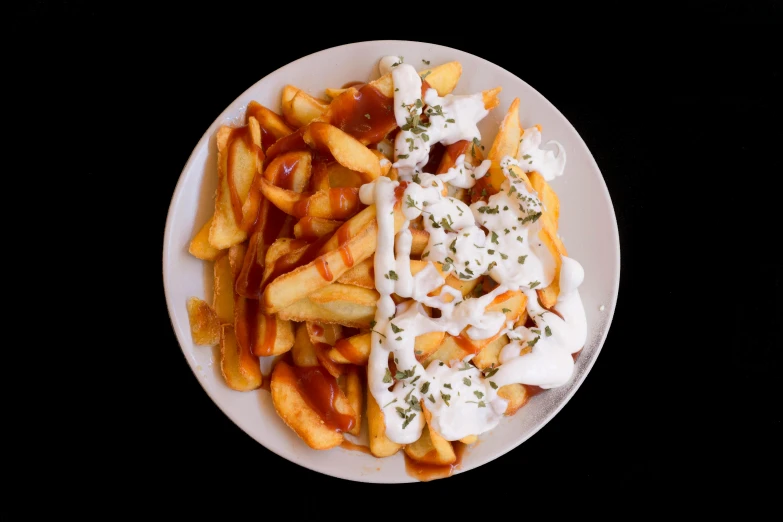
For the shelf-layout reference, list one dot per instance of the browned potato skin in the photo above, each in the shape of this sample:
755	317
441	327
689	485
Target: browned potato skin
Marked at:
292	408
204	323
431	448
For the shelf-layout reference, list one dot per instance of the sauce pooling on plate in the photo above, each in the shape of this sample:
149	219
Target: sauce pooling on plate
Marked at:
500	237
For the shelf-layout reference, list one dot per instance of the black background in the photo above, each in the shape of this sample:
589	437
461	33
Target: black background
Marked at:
685	124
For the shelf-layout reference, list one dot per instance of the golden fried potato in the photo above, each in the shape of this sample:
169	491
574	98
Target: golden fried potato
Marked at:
303	352
324	333
299	108
240	368
352	350
340	176
290	170
334	93
204	323
506	143
345	313
313	228
354	394
442	78
470	439
349	293
298	415
360	275
273	127
548	295
516	395
238	163
223	298
335	203
551	212
380	445
200	247
431	448
490	354
346	150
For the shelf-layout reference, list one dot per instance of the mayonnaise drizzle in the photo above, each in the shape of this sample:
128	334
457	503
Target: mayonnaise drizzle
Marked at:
461	400
532	157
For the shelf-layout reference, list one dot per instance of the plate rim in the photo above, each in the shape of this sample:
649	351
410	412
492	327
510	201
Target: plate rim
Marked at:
379	478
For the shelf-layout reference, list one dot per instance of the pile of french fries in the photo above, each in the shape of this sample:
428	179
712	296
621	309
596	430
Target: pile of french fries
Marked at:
292	250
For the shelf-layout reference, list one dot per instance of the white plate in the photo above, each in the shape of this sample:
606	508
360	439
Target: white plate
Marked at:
587	225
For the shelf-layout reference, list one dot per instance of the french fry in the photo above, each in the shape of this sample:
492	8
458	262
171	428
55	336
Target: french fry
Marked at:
340	176
353	392
352	350
346	150
299	108
336	312
349	293
362	275
273	127
303	352
431	448
470	439
290	170
516	395
380	445
442	78
335	203
334	93
200	247
294	286
506	143
223	298
298	415
240	368
551	212
490	355
238	162
314	228
204	323
548	295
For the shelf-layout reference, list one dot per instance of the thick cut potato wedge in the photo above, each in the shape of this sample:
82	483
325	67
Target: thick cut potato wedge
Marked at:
324	333
239	159
290	171
200	247
335	203
352	350
344	148
264	335
223	298
292	287
349	293
240	368
506	143
516	395
333	92
310	228
354	394
204	323
292	407
442	78
273	127
340	176
470	439
349	229
345	313
362	275
490	354
303	352
299	108
551	212
431	448
380	445
548	296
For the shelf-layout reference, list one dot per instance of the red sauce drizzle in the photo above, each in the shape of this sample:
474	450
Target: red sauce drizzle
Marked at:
319	179
450	155
367	115
464	342
246	325
318	330
302	207
428	472
288	143
306	226
295	258
347	350
424	87
282	176
320	391
323	269
343	236
343	202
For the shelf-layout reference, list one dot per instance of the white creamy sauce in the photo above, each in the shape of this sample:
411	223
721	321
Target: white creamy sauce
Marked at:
461	400
532	157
